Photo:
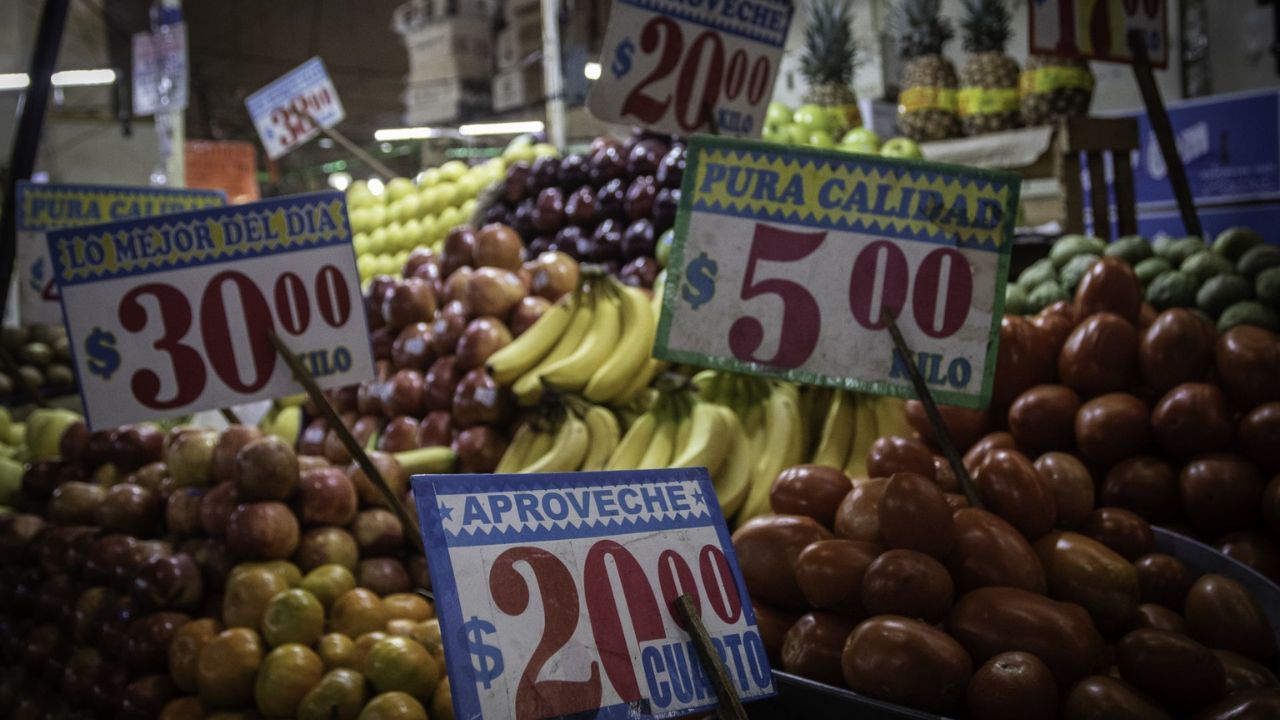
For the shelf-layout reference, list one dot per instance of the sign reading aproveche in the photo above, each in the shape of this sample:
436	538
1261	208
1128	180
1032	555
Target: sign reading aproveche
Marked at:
1098	29
785	258
44	207
294	107
681	67
171	315
555	593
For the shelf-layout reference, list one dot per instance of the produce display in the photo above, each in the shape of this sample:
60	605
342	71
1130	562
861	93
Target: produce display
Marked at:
988	96
35	361
1234	281
927	99
830	55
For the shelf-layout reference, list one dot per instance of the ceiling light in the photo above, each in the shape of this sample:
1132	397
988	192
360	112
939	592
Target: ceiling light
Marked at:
14	81
324	143
340	180
375	186
592	71
408	133
502	128
62	78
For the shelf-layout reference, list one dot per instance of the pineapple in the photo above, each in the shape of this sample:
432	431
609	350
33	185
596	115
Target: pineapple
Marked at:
927	101
988	98
1054	87
830	54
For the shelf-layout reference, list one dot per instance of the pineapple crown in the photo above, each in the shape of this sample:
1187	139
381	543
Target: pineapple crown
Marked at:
830	52
986	25
919	28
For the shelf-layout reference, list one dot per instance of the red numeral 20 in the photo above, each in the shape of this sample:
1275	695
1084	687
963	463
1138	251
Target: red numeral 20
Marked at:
939	302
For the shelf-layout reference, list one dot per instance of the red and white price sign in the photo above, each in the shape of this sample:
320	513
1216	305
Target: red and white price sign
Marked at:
1098	29
171	315
556	593
786	259
294	107
681	67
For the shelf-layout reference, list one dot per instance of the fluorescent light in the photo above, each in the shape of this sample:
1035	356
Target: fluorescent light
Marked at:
592	71
408	133
502	128
340	180
62	78
14	81
375	186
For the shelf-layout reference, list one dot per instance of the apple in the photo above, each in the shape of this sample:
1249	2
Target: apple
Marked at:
397	188
399	435
404	394
384	576
606	163
188	455
641	195
169	582
479	449
457	286
392	475
107	554
861	139
436	429
262	531
526	313
522	217
645	156
447	328
75	503
266	469
483	337
327	545
410	301
182	512
130	508
901	147
671	170
479	399
499	246
412	349
665	206
778	113
312	440
381	342
640	272
326	497
812	118
555	274
797	134
441	379
543	174
821	139
494	291
378	532
222	463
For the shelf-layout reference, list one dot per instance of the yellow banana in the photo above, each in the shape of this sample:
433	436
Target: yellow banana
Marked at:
633	444
683	425
652	367
837	431
891	416
517	453
775	451
865	432
708	440
629	353
658	454
573	372
734	478
603	434
567	450
522	354
538	447
528	389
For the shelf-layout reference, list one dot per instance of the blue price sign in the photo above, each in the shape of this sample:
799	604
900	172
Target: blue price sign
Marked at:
556	593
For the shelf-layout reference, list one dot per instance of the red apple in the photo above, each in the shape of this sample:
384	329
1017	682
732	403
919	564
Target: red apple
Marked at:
172	582
400	434
390	471
441	380
312	440
384	576
479	399
378	532
483	337
498	246
326	497
216	506
554	275
494	291
262	531
447	328
404	394
324	546
410	301
436	429
479	449
417	258
136	445
266	469
458	250
526	313
131	509
75	503
412	348
188	455
182	512
382	340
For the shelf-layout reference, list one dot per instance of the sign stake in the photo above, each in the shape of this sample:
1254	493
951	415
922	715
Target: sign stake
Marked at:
730	703
356	150
229	415
303	376
1160	125
931	409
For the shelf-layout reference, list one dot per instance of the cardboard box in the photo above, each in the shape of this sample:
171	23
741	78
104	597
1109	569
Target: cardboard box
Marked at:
455	48
436	101
516	42
516	88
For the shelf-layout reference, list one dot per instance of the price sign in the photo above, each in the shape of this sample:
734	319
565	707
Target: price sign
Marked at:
44	207
686	66
171	315
556	593
785	259
294	107
1098	29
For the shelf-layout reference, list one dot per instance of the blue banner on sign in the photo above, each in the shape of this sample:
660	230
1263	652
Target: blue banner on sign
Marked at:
554	593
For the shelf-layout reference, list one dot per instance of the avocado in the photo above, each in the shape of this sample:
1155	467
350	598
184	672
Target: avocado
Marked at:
1036	273
1206	264
1267	287
1183	248
1249	312
1236	241
1256	259
1045	294
1015	299
1221	291
1069	246
1172	289
1133	249
1150	269
1160	246
1076	267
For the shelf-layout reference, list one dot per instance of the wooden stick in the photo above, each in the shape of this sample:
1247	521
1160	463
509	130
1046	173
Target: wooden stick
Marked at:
730	703
229	415
359	152
1158	115
931	409
303	376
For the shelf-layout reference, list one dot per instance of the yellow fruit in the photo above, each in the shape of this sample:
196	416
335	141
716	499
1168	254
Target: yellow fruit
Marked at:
328	583
357	612
288	673
336	651
293	616
227	668
408	606
442	702
427	634
398	663
184	651
363	645
285	569
338	696
248	592
393	706
401	627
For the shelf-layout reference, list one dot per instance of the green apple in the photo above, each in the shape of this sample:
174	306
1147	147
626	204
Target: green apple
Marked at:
378	241
545	150
378	216
902	147
398	187
360	243
358	217
452	170
797	134
861	139
468	208
395	236
364	265
451	217
822	139
358	195
430	177
446	194
778	113
812	117
775	133
410	207
412	234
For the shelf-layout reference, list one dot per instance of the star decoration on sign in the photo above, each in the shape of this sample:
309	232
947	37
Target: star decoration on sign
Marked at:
446	512
698	497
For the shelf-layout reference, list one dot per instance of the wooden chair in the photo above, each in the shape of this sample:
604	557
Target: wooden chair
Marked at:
1096	137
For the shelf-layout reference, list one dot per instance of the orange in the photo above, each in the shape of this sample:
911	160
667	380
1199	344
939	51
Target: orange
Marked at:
357	612
184	651
293	616
328	582
408	606
247	594
336	651
401	627
363	645
442	702
339	696
427	634
288	673
393	706
398	663
227	668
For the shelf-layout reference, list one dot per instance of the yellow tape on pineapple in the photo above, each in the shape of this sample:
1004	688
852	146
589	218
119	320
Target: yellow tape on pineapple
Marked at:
986	101
1047	79
926	98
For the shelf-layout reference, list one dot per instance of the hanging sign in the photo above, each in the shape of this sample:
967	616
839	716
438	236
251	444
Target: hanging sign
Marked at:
680	67
44	207
1098	29
556	593
171	315
785	258
295	107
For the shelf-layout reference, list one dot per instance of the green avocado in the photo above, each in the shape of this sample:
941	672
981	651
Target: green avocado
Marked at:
1133	249
1257	259
1172	289
1150	269
1069	246
1076	267
1015	299
1036	273
1183	248
1267	287
1045	294
1206	264
1236	241
1160	246
1249	312
1222	291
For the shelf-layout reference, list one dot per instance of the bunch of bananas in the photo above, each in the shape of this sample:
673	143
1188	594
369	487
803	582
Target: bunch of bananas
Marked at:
573	436
594	342
844	424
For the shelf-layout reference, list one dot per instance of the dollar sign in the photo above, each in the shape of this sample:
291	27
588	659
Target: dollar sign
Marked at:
622	58
699	281
486	659
101	349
